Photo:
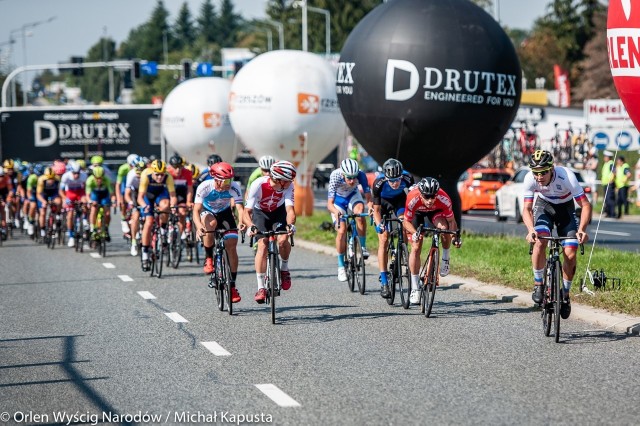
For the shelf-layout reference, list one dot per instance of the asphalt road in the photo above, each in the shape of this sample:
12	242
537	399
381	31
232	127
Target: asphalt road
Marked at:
78	338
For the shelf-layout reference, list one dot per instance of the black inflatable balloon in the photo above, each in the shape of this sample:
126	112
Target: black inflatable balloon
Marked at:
434	83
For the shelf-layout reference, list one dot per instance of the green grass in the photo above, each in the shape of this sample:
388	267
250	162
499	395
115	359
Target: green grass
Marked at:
506	261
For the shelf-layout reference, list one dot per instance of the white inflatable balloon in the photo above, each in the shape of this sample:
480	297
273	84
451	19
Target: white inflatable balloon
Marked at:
195	120
283	103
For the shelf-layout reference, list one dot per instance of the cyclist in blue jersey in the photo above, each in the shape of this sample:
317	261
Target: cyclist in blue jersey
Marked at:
389	197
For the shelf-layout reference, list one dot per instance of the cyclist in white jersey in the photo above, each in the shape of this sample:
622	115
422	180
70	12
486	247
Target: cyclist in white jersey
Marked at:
72	189
343	197
556	187
132	183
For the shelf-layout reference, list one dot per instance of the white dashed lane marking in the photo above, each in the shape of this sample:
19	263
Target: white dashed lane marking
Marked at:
176	317
146	295
215	348
95	255
276	395
109	265
125	278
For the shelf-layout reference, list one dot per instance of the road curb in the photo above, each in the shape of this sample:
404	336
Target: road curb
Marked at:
609	321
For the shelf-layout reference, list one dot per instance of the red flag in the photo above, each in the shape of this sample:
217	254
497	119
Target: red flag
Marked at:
562	86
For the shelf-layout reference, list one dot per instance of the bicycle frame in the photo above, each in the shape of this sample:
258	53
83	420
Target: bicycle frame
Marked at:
354	261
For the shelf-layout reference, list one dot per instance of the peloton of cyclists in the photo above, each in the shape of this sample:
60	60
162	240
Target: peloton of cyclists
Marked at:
270	206
389	197
343	197
213	210
427	202
557	187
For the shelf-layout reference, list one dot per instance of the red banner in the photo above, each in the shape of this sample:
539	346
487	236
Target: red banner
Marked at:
562	86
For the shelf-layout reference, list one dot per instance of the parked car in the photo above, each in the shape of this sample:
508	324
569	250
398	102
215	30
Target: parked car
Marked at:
477	188
510	198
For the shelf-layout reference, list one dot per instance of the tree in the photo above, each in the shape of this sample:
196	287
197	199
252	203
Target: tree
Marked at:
95	81
228	24
207	23
183	29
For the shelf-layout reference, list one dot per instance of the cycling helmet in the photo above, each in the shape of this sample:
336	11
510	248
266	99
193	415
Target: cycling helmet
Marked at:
132	159
158	166
428	187
75	168
195	171
8	164
266	161
349	168
541	159
283	170
152	158
392	168
97	159
98	172
221	170
59	168
23	169
176	161
146	160
81	164
49	173
38	169
213	159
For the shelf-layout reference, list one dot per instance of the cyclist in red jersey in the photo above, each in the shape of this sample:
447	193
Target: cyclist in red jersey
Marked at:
426	200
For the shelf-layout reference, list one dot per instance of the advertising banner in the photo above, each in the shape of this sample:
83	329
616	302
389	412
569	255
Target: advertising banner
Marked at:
44	134
610	125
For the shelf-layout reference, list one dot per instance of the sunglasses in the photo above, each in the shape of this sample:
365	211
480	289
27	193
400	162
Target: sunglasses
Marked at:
158	174
541	172
350	177
394	180
223	181
429	197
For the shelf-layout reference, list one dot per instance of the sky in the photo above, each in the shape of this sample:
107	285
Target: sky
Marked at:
70	27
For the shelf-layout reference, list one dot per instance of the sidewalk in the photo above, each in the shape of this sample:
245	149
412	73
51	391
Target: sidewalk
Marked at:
607	320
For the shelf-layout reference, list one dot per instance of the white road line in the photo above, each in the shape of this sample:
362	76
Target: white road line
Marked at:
146	295
109	265
277	396
95	255
480	219
215	348
176	317
620	234
125	278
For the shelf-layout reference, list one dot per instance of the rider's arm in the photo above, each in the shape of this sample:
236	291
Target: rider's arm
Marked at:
171	188
142	190
40	190
291	215
332	207
377	215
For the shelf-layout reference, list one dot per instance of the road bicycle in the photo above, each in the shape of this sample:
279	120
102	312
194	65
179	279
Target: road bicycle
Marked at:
220	278
398	262
272	279
78	225
99	237
192	245
52	225
354	260
430	271
159	244
552	285
174	240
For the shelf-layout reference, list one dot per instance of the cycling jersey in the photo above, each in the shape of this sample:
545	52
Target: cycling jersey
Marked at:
262	196
133	181
415	206
562	187
74	188
32	184
100	194
48	187
254	175
338	185
121	178
217	201
151	188
5	186
182	181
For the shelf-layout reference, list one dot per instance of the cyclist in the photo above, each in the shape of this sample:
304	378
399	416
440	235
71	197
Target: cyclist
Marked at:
72	189
99	190
264	164
46	191
212	210
16	192
344	196
426	201
389	196
205	175
132	185
556	187
32	184
269	206
183	182
121	181
156	189
195	173
5	188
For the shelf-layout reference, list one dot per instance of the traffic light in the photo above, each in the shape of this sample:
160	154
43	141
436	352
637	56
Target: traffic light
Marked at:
186	69
237	65
136	68
77	72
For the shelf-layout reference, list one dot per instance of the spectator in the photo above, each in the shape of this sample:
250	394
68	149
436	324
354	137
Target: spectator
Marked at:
622	179
608	186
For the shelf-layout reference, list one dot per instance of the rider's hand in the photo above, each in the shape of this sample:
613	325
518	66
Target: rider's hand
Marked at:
291	228
583	237
531	237
457	242
253	230
201	232
371	211
415	237
242	227
146	208
380	229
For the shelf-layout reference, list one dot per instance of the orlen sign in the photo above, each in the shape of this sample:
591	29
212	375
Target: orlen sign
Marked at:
623	44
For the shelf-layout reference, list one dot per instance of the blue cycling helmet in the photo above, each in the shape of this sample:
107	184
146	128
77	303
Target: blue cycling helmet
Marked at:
38	169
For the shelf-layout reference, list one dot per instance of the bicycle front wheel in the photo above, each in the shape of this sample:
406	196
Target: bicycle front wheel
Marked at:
393	273
430	281
219	282
557	289
272	289
403	274
358	265
547	307
226	274
175	249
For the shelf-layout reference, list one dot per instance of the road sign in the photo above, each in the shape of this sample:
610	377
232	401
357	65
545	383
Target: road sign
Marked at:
204	69
149	68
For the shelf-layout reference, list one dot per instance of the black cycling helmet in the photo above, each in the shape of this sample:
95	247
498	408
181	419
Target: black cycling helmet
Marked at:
213	159
392	168
541	159
428	187
176	161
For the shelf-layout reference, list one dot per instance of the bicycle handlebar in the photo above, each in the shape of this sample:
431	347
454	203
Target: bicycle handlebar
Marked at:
556	240
268	234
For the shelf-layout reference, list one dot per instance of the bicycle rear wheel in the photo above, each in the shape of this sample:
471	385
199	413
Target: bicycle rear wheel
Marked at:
175	249
404	275
557	289
547	307
358	265
430	280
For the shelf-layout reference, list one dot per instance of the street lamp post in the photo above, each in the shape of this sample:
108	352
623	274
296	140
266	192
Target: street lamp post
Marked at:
269	35
280	32
303	5
327	22
165	48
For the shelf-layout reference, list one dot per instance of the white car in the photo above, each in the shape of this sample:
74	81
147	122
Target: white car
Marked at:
510	197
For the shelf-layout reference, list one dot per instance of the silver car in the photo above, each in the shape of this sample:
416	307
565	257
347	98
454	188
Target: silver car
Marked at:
510	197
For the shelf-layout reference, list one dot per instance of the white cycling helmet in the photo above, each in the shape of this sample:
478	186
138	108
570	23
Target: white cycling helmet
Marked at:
266	161
132	159
350	168
283	170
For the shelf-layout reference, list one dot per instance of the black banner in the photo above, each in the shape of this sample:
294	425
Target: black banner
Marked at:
44	134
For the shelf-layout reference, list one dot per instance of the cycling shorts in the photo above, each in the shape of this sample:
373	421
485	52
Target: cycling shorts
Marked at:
224	219
101	197
270	221
393	205
427	218
563	216
73	195
4	192
48	198
346	204
154	201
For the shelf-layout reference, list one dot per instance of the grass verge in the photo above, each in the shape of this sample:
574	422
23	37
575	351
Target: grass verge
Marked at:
505	260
